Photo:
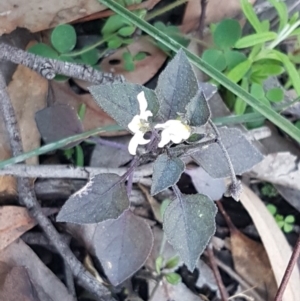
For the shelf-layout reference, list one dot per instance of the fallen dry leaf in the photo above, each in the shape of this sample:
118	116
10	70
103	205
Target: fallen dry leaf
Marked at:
144	69
279	168
274	241
46	284
16	284
37	15
94	116
14	222
251	261
28	92
216	11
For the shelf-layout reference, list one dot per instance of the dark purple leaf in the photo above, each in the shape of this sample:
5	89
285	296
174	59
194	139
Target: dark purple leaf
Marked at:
103	197
123	246
57	122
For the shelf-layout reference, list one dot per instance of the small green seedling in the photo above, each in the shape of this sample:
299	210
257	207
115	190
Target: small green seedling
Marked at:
160	266
130	59
284	223
269	190
262	60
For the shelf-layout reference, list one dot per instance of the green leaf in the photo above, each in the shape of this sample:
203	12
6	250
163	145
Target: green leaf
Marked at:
257	91
43	50
240	105
63	38
81	111
90	57
159	264
233	58
189	223
114	43
120	100
163	207
113	24
197	110
79	155
215	58
173	45
239	71
287	228
128	61
103	197
297	124
140	56
126	31
176	86
172	262
282	12
251	15
267	68
173	278
290	69
255	39
227	33
242	153
290	219
275	94
166	172
272	209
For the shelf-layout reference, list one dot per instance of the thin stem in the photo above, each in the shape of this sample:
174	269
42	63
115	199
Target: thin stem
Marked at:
57	145
130	173
154	289
164	9
202	18
88	48
222	289
288	271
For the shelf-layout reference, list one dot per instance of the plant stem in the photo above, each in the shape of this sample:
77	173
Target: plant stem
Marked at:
288	271
222	289
57	145
164	9
88	48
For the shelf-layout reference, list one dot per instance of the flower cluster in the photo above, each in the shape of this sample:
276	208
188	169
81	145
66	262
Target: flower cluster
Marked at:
172	130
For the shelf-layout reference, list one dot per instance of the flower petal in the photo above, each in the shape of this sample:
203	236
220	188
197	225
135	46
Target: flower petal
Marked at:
133	144
165	138
135	141
142	102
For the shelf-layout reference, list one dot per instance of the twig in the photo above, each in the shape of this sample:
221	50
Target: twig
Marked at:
48	68
222	289
202	18
239	279
288	271
70	172
27	197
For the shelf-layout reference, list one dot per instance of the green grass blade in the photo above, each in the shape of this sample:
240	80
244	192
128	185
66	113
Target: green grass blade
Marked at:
269	113
59	144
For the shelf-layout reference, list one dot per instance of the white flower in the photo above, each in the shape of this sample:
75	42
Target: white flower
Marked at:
173	130
139	125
